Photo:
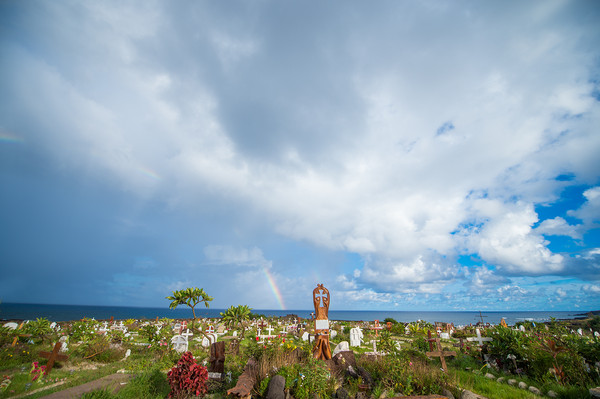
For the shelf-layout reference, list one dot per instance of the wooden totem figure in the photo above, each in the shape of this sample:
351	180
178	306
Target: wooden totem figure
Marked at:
321	350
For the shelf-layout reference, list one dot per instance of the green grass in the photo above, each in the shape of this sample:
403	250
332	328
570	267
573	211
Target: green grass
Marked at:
489	388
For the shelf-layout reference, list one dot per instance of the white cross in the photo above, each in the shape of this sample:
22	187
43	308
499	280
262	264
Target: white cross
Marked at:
210	330
187	334
480	340
270	330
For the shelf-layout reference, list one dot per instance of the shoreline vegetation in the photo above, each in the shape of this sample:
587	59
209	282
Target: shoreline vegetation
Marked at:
556	358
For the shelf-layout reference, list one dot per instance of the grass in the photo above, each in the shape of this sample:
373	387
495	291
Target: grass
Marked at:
489	388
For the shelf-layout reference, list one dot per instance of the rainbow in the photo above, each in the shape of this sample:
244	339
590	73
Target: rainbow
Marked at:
9	138
274	288
148	172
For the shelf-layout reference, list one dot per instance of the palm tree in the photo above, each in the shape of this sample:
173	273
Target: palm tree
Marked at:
237	316
190	297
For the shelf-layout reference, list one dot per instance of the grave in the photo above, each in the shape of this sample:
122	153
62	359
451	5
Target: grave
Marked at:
217	361
480	340
53	356
356	336
180	343
440	353
321	299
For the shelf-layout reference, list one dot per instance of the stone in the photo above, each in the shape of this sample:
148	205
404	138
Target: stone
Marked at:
127	354
366	377
205	342
579	331
595	392
180	343
522	328
305	336
534	390
522	385
276	388
490	376
341	347
11	325
235	334
447	393
511	381
333	333
356	336
552	394
500	379
466	394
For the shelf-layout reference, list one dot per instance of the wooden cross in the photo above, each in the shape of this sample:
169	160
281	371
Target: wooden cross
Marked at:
441	354
53	356
19	335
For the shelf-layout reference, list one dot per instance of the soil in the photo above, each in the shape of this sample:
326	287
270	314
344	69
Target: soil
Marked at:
113	383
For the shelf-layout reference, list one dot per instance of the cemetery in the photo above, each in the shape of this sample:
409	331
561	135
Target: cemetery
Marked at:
244	355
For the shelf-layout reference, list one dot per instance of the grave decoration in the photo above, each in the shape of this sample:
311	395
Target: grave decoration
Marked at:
439	352
53	356
376	327
321	299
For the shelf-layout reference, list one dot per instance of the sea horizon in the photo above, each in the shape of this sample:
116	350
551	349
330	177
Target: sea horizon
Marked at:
61	312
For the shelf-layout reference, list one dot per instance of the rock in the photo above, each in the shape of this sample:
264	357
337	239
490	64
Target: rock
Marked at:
384	394
552	394
595	392
341	393
447	393
490	376
362	395
534	390
522	385
341	347
500	379
276	388
466	394
511	381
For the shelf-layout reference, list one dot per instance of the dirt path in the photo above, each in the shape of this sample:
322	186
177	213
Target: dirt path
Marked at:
113	382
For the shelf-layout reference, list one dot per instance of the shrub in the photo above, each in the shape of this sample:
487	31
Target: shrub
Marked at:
187	378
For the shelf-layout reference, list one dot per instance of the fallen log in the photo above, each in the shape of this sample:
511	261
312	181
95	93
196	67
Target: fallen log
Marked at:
246	382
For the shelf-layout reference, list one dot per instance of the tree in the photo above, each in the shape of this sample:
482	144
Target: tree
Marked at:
190	297
237	316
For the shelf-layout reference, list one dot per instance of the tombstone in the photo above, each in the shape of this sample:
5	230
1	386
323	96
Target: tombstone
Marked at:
579	331
341	347
53	356
235	334
64	343
321	300
522	328
210	330
305	336
441	354
53	325
205	342
234	347
444	335
356	336
180	343
212	337
480	340
333	334
217	360
220	329
127	354
11	325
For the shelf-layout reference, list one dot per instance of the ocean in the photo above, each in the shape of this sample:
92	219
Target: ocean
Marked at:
18	311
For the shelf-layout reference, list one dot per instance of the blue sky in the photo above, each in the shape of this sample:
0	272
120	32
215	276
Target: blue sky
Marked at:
408	155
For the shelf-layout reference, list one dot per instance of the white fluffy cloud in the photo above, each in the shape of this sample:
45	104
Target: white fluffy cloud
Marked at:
408	143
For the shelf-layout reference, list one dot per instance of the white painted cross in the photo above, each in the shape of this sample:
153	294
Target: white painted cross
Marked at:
180	343
210	330
480	340
270	330
187	334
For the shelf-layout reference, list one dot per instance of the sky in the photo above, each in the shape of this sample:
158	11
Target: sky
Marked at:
409	155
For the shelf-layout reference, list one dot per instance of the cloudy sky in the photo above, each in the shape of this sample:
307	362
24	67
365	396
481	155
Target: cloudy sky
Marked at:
409	155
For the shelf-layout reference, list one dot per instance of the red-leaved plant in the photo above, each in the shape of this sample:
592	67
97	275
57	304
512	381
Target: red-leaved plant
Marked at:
187	378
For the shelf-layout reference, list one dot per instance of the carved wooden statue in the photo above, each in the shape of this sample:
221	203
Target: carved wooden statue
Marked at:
321	350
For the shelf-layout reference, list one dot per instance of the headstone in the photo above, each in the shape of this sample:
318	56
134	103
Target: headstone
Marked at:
64	342
321	299
441	354
480	340
356	336
210	330
522	328
341	347
305	336
235	334
333	333
11	325
205	342
127	354
180	343
276	388
217	360
444	335
53	356
579	331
